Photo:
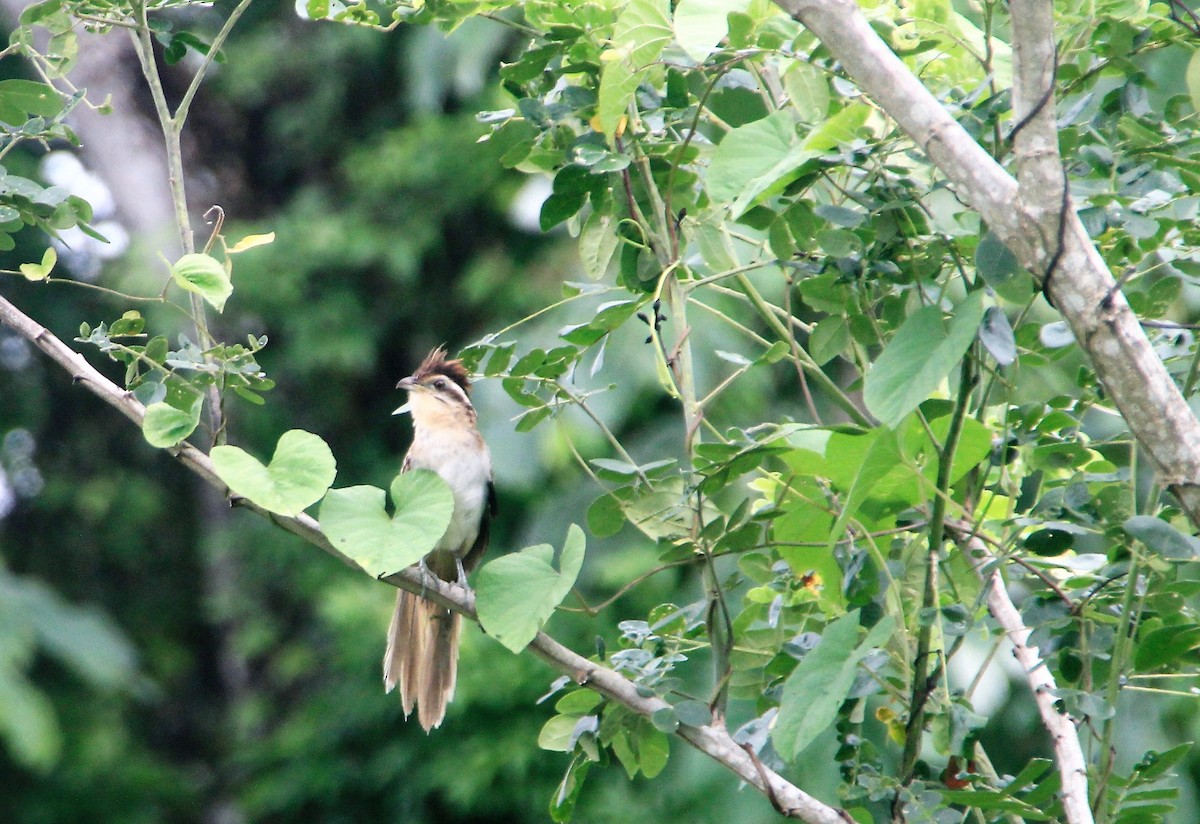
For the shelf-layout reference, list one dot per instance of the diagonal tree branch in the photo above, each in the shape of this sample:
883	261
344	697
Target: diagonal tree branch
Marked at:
713	741
1068	753
1041	234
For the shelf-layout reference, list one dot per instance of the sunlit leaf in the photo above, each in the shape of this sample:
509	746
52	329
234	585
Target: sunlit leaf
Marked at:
840	129
21	99
250	242
166	426
40	271
598	242
754	160
808	91
821	681
639	37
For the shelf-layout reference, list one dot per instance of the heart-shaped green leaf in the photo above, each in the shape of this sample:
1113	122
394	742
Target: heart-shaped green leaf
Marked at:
757	158
204	275
165	426
301	470
516	594
355	521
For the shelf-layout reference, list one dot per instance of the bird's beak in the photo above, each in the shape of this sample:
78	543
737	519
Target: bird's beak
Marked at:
408	384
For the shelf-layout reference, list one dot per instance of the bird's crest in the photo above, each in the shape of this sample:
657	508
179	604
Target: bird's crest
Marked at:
436	363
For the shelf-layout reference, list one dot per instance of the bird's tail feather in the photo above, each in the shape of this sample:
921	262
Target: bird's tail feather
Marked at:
422	657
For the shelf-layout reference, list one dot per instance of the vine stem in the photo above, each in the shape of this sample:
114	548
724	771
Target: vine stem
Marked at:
794	348
172	125
1112	690
682	370
609	435
921	681
713	740
185	104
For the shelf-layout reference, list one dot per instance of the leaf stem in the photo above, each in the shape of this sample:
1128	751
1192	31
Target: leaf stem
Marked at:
608	433
1112	691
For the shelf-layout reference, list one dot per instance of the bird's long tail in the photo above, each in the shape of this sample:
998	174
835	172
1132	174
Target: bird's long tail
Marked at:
422	657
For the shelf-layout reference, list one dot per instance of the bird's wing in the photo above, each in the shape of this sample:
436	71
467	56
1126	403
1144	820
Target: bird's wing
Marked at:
480	546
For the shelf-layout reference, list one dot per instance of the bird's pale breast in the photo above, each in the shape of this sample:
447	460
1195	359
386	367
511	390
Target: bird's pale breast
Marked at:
463	462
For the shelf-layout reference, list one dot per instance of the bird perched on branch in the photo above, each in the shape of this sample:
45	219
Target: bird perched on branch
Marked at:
422	643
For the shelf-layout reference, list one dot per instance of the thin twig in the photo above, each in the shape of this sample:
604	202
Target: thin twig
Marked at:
1072	767
185	103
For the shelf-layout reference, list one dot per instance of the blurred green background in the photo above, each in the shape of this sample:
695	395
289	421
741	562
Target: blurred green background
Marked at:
166	659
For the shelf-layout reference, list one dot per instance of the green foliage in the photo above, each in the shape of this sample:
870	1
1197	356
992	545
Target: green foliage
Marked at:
165	426
919	357
86	642
843	376
205	276
702	181
759	158
641	31
40	271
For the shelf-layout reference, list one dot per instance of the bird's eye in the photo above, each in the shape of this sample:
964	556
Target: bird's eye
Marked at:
439	384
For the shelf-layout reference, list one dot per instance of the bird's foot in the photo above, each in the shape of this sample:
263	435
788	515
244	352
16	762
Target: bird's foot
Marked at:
425	571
